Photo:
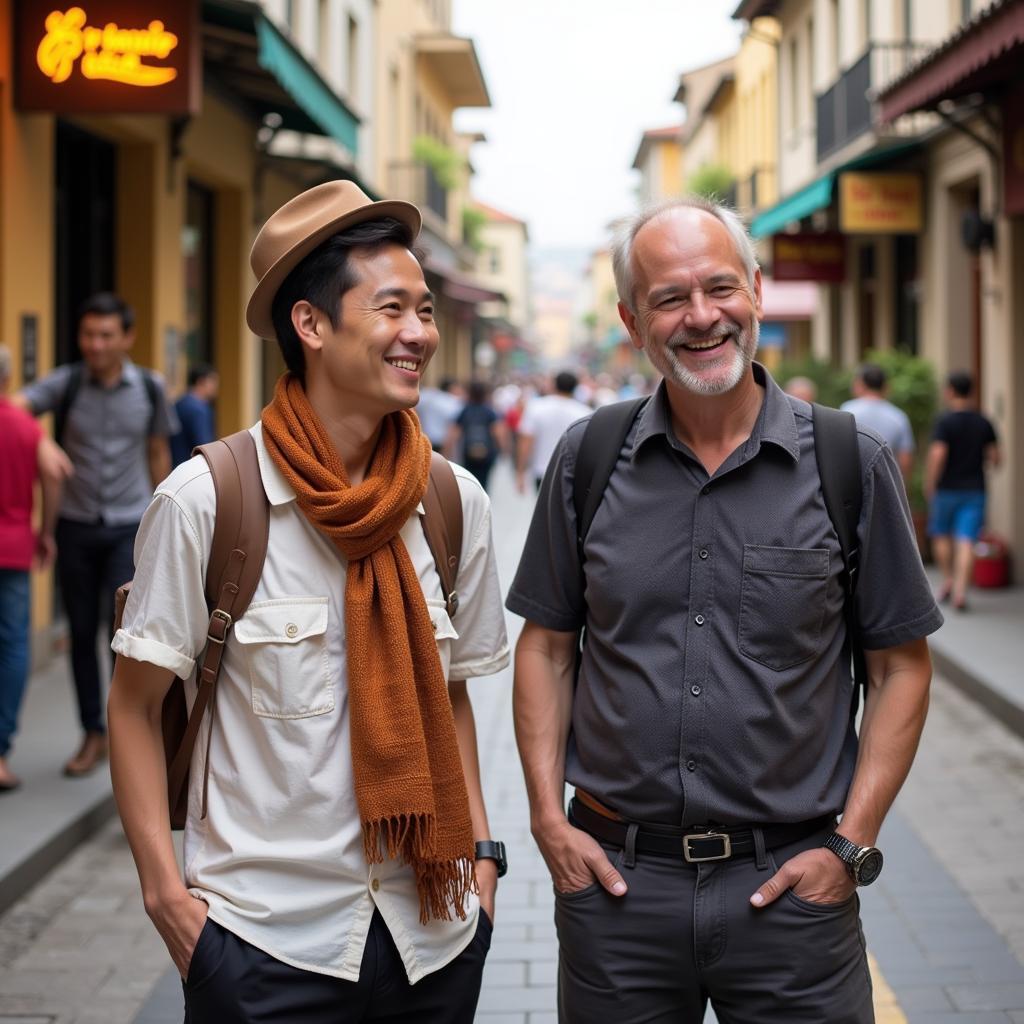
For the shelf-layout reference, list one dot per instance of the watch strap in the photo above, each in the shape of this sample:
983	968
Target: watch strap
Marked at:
843	848
492	849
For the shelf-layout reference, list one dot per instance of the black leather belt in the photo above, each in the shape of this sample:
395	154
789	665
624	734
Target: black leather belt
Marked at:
696	844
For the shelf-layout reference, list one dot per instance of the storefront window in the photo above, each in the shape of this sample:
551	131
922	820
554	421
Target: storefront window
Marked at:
907	290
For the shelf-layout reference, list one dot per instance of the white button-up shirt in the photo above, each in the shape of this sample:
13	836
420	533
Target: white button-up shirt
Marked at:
279	857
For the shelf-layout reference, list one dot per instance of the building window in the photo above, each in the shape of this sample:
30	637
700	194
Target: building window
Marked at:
353	59
495	260
323	38
794	86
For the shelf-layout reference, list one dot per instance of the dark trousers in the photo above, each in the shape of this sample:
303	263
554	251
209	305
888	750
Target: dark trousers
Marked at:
93	560
232	982
686	933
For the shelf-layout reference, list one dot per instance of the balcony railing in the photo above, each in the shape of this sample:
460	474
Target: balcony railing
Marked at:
417	183
843	111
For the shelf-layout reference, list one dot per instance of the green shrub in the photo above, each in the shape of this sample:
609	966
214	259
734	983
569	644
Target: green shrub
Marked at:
441	159
712	181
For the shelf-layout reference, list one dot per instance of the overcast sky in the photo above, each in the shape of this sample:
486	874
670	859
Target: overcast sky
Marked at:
573	84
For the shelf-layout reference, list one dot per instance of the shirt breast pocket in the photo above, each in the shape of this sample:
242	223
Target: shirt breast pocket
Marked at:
782	604
284	643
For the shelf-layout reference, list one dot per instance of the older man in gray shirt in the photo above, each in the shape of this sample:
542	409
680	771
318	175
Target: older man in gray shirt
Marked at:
709	732
113	420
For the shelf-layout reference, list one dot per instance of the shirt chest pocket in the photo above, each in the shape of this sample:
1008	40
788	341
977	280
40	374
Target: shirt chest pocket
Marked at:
782	604
284	644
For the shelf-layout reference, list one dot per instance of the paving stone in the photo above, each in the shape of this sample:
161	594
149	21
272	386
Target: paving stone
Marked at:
987	997
519	998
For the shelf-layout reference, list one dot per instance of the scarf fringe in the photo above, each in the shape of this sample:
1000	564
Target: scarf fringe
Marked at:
410	837
444	886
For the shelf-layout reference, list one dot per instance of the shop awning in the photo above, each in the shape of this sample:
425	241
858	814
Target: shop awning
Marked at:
818	194
985	52
459	286
257	64
815	196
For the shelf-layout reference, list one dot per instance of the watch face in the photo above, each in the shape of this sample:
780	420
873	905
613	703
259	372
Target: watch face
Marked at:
869	868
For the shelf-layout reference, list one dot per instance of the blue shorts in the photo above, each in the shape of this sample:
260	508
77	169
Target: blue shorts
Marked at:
960	514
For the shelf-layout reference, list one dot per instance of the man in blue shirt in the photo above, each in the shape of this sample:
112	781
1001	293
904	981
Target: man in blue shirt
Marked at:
195	413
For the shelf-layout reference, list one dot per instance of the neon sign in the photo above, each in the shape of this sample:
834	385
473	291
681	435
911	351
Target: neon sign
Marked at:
110	53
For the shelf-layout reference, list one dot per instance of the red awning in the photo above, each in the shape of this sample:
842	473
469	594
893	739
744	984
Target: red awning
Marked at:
985	52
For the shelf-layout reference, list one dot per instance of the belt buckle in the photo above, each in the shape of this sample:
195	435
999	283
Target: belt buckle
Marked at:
692	858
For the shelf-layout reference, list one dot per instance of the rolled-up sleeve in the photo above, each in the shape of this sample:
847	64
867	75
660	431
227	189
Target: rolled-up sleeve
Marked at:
165	619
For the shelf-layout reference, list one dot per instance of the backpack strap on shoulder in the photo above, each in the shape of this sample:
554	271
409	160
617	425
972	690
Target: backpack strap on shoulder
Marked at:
237	553
442	527
837	452
60	414
153	394
599	451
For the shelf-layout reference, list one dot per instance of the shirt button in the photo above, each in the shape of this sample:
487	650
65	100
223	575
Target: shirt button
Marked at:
703	552
291	629
706	489
375	884
691	766
433	625
699	619
696	690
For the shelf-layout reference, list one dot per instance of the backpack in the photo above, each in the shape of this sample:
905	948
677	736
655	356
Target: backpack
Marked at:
74	385
237	552
838	456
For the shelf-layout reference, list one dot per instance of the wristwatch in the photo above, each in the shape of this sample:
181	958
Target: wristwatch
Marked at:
491	849
863	862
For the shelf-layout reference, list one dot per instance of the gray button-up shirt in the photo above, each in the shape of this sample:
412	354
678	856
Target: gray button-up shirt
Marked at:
106	436
712	687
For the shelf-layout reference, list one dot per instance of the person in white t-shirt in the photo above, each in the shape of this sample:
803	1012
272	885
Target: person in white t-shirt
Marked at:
544	422
338	855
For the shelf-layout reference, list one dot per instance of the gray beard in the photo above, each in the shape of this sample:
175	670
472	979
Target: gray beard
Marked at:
745	345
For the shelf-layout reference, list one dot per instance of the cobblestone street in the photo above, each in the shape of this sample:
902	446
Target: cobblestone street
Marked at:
945	923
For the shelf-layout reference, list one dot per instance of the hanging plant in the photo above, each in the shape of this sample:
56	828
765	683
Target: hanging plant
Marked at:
441	159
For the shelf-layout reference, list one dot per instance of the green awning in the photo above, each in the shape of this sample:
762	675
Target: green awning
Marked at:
305	86
257	65
815	196
818	194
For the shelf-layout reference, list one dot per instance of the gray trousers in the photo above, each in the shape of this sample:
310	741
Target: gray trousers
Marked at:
686	933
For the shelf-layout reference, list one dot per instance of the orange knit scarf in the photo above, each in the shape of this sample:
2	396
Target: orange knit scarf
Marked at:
408	775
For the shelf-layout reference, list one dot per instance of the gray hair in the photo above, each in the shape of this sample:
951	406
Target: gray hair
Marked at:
5	363
626	230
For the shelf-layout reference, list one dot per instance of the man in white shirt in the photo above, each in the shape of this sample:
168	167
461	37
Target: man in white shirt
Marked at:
544	422
332	875
873	410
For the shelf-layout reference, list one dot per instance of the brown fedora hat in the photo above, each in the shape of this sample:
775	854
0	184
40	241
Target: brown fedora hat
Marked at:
295	230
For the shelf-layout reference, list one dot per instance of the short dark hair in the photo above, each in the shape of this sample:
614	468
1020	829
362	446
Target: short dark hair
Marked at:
960	383
107	304
199	372
873	376
565	382
478	391
323	277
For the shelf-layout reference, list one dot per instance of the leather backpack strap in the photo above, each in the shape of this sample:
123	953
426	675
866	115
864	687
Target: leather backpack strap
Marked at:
442	527
237	553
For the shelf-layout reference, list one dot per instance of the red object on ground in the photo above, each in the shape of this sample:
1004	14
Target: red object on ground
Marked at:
991	562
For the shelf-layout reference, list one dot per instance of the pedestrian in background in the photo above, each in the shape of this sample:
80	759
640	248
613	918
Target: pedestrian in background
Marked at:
195	413
872	409
476	433
964	442
437	409
707	722
113	420
334	850
803	388
26	455
543	423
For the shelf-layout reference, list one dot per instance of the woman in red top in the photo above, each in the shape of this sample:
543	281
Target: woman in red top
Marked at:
25	454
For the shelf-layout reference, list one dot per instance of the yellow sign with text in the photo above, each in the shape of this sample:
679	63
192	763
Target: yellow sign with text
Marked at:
880	204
